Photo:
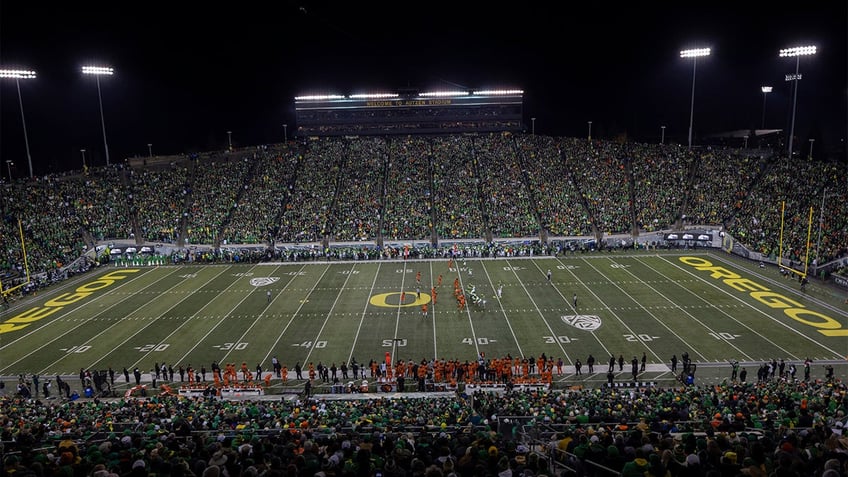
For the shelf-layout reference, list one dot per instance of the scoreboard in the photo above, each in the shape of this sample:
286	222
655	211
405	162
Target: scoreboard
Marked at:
409	112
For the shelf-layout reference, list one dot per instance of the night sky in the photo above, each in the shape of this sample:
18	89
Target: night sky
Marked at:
185	75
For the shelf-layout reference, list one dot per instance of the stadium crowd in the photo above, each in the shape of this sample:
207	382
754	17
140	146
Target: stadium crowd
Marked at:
778	427
428	188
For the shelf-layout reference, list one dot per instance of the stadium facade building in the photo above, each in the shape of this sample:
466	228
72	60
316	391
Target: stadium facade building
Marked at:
410	111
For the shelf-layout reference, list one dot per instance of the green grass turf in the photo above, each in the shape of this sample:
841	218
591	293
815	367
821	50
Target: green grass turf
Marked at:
332	312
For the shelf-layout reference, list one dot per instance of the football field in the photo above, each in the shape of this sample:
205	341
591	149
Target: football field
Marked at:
710	305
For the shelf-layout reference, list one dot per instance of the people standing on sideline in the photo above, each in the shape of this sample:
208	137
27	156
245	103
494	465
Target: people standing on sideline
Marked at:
743	375
577	366
620	362
612	363
549	275
634	367
644	362
590	362
807	363
734	370
674	363
307	389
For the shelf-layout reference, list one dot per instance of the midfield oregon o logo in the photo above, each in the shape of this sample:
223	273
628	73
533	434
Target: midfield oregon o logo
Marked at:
392	300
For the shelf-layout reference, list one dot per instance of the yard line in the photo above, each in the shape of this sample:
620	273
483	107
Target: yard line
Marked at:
679	308
583	284
749	305
188	320
467	308
362	316
542	316
725	314
185	322
154	320
70	311
432	312
646	310
221	320
302	302
503	312
397	315
330	312
256	320
782	285
271	349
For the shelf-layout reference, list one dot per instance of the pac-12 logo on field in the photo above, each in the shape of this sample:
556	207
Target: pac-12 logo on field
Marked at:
262	281
583	322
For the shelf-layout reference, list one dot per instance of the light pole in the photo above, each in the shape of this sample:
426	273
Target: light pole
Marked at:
18	75
662	134
590	130
9	165
82	152
230	140
766	90
746	142
812	141
286	132
533	126
796	52
99	71
694	54
150	150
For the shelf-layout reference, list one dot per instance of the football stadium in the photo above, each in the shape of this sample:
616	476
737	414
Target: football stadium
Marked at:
414	284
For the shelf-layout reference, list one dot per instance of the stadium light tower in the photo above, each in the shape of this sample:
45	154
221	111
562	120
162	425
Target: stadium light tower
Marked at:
797	52
230	140
150	150
97	72
694	54
18	75
286	132
662	134
590	130
812	141
533	126
9	165
766	90
82	153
